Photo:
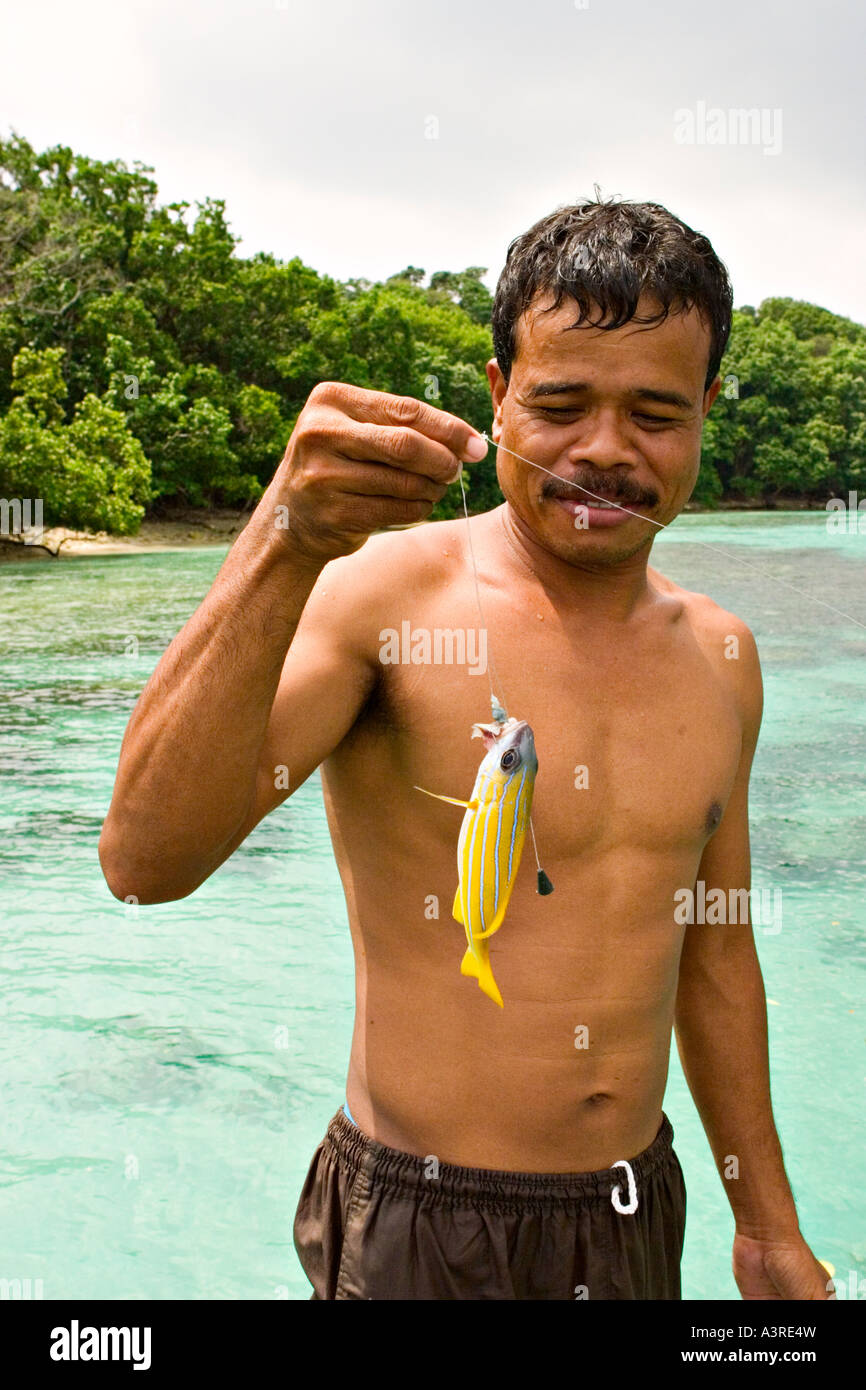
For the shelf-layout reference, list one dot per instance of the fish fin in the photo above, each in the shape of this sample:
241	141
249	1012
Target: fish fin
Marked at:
469	965
457	910
489	732
494	925
480	970
470	805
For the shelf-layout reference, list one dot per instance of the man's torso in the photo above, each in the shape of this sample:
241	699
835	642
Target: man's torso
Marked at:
638	738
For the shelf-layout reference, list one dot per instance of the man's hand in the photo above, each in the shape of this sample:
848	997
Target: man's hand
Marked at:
778	1269
359	461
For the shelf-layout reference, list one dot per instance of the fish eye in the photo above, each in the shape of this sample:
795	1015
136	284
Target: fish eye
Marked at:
510	758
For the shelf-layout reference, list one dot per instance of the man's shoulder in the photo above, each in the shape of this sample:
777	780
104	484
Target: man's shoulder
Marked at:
725	640
705	616
414	557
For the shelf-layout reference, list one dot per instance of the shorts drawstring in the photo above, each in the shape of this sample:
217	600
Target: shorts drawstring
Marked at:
632	1190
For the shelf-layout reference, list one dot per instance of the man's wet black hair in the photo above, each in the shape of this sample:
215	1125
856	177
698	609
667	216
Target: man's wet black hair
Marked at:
606	253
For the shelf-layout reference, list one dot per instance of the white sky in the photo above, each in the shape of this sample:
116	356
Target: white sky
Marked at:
310	120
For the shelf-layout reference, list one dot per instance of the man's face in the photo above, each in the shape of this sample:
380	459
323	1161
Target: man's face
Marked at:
618	411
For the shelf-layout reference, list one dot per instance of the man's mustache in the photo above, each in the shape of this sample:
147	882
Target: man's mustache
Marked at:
609	486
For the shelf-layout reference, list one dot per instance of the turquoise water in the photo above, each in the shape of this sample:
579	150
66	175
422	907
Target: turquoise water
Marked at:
168	1070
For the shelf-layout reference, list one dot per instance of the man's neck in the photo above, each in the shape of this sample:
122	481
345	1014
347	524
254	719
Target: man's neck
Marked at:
608	592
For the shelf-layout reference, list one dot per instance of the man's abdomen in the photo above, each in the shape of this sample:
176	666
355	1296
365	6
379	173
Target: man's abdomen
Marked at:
535	1087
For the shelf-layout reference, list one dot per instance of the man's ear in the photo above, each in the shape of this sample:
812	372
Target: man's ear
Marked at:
710	394
498	390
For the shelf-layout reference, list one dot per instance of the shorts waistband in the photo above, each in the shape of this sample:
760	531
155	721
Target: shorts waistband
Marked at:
354	1150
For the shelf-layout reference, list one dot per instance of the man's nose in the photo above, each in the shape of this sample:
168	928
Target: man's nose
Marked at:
604	440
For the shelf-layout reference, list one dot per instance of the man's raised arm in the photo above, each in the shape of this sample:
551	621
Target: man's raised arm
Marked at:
196	766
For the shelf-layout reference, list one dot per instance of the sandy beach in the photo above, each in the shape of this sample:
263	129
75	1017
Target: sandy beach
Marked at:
175	533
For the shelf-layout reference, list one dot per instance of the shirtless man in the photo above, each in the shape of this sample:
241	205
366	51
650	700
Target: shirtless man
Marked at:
475	1157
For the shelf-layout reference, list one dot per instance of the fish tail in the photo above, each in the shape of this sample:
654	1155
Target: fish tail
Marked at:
481	971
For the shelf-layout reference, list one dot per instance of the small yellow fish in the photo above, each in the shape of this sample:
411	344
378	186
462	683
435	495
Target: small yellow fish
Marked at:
491	840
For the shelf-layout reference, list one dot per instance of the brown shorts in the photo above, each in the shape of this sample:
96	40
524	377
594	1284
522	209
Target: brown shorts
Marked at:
375	1223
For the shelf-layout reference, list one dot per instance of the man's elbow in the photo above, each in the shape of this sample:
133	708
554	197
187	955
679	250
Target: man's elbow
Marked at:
135	883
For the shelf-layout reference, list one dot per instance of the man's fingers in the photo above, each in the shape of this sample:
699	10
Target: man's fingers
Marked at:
377	480
361	460
403	412
378	513
399	447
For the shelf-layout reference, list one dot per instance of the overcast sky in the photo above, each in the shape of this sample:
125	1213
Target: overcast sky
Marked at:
365	137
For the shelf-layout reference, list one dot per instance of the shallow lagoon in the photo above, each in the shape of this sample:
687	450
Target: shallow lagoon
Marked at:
169	1070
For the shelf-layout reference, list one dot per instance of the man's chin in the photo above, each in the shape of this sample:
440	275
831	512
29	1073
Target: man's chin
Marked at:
598	547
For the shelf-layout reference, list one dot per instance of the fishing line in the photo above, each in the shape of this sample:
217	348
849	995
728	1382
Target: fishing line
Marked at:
498	709
803	593
491	670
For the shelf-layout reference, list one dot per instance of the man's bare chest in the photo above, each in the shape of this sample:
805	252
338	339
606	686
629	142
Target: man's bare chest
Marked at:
638	740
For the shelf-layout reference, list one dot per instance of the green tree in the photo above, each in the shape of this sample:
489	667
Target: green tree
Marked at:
791	417
90	473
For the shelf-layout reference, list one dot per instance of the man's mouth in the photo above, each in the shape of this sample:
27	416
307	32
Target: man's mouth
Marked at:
602	497
593	512
597	506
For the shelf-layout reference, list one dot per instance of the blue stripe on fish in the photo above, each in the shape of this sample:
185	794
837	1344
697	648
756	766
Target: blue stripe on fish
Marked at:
496	853
520	791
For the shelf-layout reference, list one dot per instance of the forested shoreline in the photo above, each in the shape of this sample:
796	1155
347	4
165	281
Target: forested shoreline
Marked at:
145	367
